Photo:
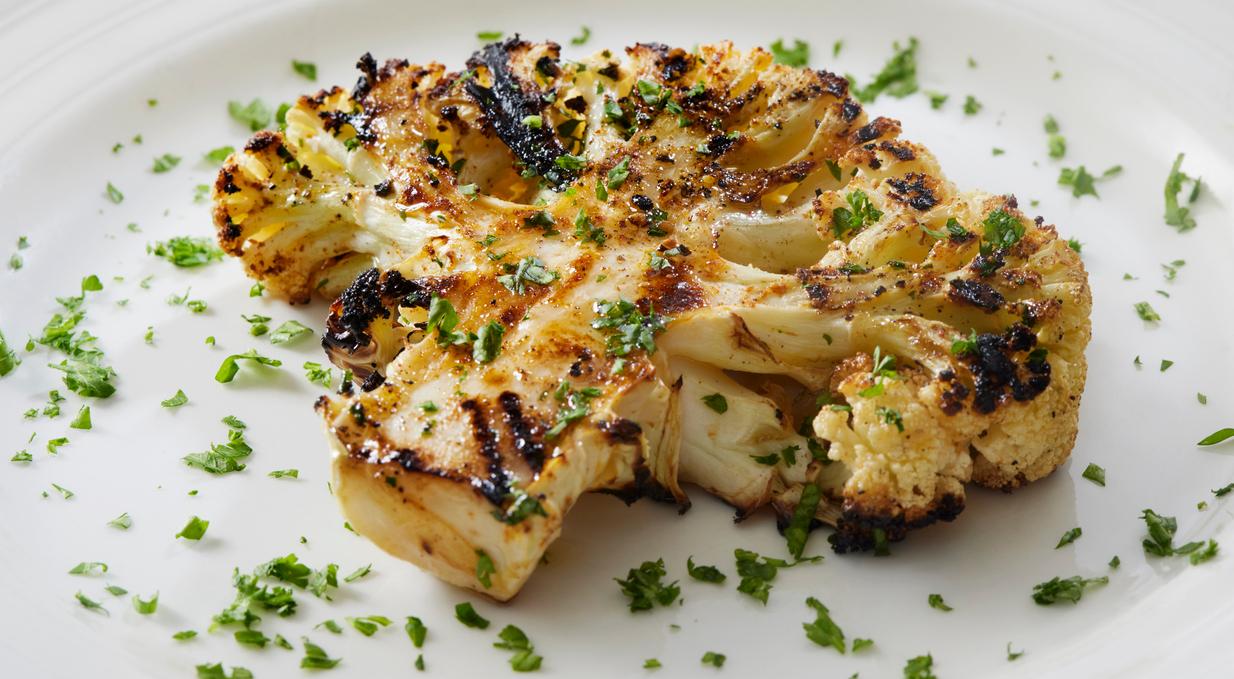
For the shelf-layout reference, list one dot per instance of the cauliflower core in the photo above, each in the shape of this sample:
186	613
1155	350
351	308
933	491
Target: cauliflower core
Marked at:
642	273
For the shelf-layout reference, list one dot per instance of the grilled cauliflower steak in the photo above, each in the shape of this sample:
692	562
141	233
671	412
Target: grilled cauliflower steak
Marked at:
636	274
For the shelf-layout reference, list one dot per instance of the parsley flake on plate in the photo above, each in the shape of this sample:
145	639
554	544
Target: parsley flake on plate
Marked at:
644	586
1064	589
823	631
798	55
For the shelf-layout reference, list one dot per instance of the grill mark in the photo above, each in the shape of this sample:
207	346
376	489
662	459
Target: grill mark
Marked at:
497	485
979	294
507	103
526	443
914	190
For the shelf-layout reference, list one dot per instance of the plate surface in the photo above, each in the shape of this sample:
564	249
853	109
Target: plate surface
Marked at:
1137	86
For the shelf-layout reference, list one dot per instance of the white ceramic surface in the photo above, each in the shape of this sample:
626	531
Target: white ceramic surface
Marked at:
1140	82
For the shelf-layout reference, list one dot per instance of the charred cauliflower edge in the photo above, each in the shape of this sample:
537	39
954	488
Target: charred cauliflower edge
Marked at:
548	275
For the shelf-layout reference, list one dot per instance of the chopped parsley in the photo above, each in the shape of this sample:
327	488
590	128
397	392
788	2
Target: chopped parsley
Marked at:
1069	537
487	342
618	174
165	163
1081	182
146	606
216	671
796	56
652	664
255	114
1057	144
8	358
316	658
890	416
921	667
484	569
936	601
82	421
757	572
89	568
823	631
798	529
1002	229
628	328
223	458
1177	215
859	213
528	270
317	374
971	106
1094	473
230	366
1217	437
369	624
1146	313
284	474
466	614
582	37
305	68
883	370
175	401
644	586
416	630
114	194
585	231
90	604
716	402
524	658
1171	269
195	529
714	659
289	332
123	522
186	251
218	155
489	36
519	505
1160	540
709	573
898	78
1013	655
1070	589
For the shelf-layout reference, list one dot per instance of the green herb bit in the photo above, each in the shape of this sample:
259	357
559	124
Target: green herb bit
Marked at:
796	56
645	588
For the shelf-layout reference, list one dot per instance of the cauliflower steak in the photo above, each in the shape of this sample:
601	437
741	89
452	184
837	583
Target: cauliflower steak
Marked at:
633	274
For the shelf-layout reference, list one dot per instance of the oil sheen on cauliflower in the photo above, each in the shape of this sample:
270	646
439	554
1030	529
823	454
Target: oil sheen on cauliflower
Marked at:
641	273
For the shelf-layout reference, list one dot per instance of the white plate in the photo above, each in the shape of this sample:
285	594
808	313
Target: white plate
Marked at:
1139	84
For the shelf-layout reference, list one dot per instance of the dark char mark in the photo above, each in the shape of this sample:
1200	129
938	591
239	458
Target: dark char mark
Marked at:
979	294
526	443
855	529
912	189
497	485
995	373
347	327
368	76
507	103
